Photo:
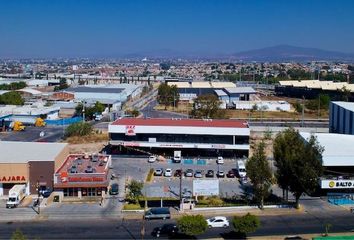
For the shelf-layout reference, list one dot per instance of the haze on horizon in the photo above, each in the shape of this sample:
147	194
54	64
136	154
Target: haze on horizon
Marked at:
94	28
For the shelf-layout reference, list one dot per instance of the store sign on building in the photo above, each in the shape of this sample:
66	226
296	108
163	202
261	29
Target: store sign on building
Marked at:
12	179
333	184
130	130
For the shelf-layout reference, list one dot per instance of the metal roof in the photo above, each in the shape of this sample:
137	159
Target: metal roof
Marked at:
22	152
334	154
240	90
180	122
220	93
95	89
347	105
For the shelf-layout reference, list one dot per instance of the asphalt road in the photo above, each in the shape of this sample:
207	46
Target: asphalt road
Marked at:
131	229
32	134
148	111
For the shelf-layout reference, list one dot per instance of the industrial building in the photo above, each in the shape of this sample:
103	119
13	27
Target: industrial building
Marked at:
29	163
310	89
203	137
341	117
82	175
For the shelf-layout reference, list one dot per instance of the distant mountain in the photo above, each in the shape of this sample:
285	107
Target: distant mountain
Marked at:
292	53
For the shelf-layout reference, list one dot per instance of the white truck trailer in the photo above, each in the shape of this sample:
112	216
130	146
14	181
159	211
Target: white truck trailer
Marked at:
177	156
16	194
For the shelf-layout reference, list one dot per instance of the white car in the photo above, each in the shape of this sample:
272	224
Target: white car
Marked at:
168	172
218	222
152	159
220	160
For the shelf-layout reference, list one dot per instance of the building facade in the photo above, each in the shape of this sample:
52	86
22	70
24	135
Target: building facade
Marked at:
196	137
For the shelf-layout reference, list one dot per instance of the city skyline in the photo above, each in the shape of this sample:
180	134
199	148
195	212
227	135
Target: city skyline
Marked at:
120	28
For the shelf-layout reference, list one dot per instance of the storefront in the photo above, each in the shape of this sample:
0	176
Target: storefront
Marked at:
83	176
29	163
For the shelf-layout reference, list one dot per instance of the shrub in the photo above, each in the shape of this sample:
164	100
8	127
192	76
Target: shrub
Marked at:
192	224
132	206
78	129
246	224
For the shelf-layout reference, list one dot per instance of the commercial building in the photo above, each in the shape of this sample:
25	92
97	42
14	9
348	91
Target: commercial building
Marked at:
341	117
203	137
337	159
83	175
29	163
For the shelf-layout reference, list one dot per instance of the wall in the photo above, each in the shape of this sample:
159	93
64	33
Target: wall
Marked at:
13	169
60	158
42	172
341	120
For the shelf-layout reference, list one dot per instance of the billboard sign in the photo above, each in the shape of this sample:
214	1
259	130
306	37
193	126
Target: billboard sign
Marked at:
203	187
336	184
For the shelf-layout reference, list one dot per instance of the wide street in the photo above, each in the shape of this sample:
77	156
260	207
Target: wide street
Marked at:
113	228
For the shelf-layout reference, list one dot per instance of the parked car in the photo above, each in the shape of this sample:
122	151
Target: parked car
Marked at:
198	174
157	213
188	173
230	174
152	159
158	172
178	173
220	174
168	172
46	192
209	174
243	180
218	222
114	189
220	160
167	230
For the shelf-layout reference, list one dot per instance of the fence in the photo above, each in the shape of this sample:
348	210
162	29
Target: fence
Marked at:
64	121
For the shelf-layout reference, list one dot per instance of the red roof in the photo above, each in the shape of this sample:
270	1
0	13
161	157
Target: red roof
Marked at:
181	122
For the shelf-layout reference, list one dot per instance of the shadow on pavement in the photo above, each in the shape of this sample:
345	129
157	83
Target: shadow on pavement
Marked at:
233	235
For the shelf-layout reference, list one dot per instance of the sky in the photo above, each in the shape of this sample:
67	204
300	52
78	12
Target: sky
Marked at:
113	28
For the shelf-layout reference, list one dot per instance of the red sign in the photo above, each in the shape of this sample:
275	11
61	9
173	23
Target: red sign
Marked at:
13	179
130	130
64	177
85	179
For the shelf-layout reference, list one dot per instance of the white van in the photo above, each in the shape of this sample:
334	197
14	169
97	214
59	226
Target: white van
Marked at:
220	160
241	169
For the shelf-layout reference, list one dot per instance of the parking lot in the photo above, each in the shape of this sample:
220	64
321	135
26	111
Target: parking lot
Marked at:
161	186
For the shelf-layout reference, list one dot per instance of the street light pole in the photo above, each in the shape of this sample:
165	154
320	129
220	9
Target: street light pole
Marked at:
83	111
38	198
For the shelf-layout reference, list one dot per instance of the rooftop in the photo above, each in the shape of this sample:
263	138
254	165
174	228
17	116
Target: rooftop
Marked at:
240	90
23	152
95	89
335	154
347	105
181	122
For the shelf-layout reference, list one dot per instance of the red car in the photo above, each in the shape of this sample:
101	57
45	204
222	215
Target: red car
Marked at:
230	174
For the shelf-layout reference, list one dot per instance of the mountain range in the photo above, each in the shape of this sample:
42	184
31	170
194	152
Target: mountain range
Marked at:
277	53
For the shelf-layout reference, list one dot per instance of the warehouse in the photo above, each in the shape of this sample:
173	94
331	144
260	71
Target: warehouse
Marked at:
204	137
341	117
29	163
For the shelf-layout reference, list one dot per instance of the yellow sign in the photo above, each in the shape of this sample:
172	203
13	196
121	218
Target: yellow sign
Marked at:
331	184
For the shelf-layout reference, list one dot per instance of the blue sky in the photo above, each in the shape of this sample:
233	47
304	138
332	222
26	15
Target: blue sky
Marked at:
62	28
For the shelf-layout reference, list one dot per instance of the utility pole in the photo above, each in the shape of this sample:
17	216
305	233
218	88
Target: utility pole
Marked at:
38	199
83	111
180	188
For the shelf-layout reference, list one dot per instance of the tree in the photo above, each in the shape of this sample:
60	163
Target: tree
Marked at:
62	85
78	129
11	98
167	95
298	163
246	224
90	111
207	106
192	224
18	235
260	174
135	190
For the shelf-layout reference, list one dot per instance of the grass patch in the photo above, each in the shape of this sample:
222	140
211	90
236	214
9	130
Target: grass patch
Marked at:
92	138
150	175
132	206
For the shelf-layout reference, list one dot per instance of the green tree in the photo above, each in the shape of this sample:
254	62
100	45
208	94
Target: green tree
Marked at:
207	106
246	224
90	111
78	129
167	95
260	174
18	235
135	190
192	224
298	163
11	98
62	85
